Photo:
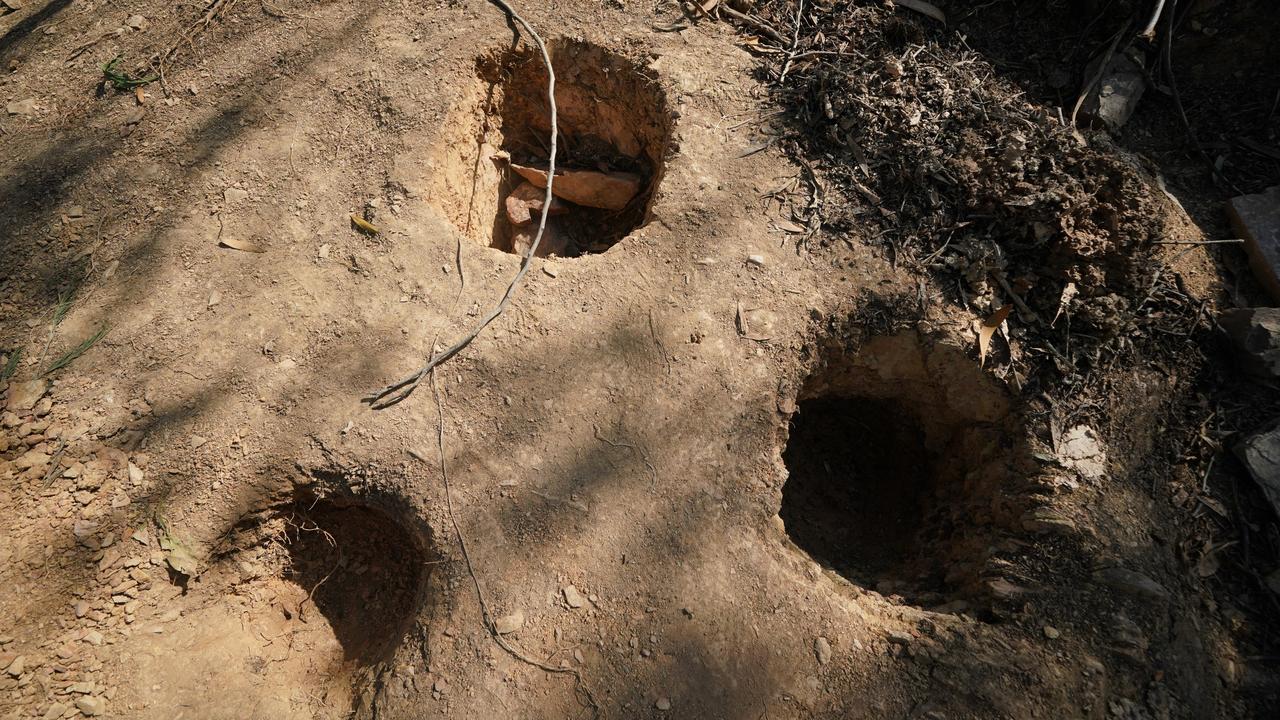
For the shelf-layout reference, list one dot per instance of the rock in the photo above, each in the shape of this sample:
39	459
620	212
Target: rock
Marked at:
822	650
1045	520
757	260
81	608
233	195
81	688
524	204
553	241
1051	632
1002	589
1117	93
55	711
91	706
573	597
93	637
1132	582
1260	453
137	22
17	666
75	211
135	116
897	637
31	459
1255	333
23	396
663	704
508	624
135	474
590	188
22	107
1256	218
1080	450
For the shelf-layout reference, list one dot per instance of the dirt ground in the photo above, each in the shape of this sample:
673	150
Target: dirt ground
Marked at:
886	396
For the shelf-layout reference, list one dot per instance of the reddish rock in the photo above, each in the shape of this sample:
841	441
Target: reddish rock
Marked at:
590	188
524	204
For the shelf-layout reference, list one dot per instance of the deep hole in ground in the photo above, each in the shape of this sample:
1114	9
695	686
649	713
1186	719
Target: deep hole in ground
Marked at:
299	614
614	131
363	570
895	459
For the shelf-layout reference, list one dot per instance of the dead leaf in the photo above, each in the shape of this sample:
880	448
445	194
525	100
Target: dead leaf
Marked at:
140	95
1068	294
989	327
245	245
709	5
741	320
363	225
788	226
923	8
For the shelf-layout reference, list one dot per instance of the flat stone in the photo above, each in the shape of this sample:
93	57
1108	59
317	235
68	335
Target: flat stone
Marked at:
1260	453
663	704
22	107
1255	334
23	396
573	597
1081	451
1132	582
17	666
508	624
234	195
897	637
822	650
1256	219
91	706
55	711
590	188
31	459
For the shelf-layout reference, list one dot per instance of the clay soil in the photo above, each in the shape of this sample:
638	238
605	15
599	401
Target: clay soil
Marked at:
885	396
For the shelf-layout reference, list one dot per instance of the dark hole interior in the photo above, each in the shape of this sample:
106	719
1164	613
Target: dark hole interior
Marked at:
364	571
859	480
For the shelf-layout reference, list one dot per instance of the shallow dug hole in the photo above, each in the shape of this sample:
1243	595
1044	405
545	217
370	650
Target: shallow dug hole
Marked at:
294	619
614	129
895	458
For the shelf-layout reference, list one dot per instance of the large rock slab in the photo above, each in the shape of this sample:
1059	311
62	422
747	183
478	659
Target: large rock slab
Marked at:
24	395
1256	219
1255	333
1260	453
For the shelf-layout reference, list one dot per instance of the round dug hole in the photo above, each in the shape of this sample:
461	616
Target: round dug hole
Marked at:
893	457
296	618
614	129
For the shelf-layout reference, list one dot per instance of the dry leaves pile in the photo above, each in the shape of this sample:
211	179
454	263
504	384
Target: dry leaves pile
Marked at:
916	137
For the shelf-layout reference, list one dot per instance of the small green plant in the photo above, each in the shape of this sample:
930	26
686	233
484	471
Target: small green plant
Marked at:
11	366
122	80
75	352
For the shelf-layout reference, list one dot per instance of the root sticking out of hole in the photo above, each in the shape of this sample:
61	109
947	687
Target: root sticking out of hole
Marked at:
614	130
895	460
